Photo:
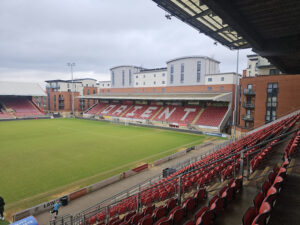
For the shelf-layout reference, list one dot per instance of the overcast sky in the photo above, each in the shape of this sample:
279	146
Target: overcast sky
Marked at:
39	37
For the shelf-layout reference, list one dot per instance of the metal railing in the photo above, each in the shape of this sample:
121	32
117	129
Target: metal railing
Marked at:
135	191
53	86
249	92
248	118
248	105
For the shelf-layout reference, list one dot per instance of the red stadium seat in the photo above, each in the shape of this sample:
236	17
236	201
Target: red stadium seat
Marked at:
249	216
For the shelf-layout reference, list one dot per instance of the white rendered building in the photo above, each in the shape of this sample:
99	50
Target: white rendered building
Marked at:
151	78
190	70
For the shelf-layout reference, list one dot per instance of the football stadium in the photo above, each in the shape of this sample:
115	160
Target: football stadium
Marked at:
183	144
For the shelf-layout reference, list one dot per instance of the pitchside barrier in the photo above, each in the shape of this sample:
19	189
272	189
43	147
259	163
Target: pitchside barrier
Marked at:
145	123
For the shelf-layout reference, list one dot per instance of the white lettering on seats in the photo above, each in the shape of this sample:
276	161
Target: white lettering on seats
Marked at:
134	110
108	109
188	111
120	110
148	112
167	113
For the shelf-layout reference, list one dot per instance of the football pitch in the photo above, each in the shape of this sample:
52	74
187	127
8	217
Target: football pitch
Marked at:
40	159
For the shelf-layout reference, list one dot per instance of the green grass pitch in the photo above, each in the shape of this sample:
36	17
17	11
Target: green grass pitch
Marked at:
43	157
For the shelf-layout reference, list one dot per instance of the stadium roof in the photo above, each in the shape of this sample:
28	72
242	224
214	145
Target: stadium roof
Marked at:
270	27
226	97
21	89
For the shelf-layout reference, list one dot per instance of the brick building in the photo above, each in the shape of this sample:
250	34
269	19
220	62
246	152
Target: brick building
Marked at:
59	94
266	98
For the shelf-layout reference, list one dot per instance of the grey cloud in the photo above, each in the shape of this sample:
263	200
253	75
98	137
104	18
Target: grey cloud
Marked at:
39	37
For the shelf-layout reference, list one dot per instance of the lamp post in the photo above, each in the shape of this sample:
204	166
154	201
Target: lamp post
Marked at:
235	95
71	65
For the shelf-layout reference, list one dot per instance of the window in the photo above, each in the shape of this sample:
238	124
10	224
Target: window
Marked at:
249	86
273	88
154	75
136	76
54	102
86	85
256	66
129	77
94	91
209	88
222	88
112	78
144	76
88	92
209	79
123	77
248	100
198	71
144	83
154	82
48	100
172	74
271	109
163	82
274	71
222	78
136	83
163	74
163	90
68	85
182	73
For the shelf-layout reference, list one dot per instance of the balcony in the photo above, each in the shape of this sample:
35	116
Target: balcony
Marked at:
248	105
53	86
61	105
248	118
249	92
61	99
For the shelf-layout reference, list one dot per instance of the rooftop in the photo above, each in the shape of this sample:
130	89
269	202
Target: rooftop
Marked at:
192	56
8	88
226	96
153	70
